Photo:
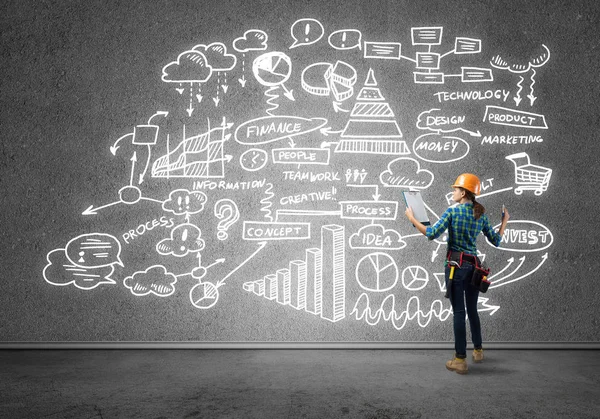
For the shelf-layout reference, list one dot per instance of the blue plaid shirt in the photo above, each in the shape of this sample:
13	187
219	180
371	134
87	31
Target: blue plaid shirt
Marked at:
463	229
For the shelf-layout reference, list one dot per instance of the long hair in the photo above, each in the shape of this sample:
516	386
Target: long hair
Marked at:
478	209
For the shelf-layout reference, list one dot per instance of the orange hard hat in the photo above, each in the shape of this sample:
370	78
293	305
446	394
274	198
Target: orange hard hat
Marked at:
468	181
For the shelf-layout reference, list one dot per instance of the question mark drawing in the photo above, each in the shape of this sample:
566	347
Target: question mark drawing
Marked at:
227	211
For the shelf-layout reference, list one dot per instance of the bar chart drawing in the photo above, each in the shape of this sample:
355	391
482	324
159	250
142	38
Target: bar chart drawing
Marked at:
316	284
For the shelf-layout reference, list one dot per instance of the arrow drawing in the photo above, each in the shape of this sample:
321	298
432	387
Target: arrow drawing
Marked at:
261	245
544	258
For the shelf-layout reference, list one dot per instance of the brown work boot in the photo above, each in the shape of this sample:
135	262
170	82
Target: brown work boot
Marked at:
457	364
478	355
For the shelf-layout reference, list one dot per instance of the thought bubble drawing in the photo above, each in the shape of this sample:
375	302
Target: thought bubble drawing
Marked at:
154	280
94	250
345	39
405	172
184	202
185	239
253	40
375	236
190	67
523	66
306	32
216	56
61	271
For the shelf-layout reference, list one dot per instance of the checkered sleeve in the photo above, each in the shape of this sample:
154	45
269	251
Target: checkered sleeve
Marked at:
489	231
435	231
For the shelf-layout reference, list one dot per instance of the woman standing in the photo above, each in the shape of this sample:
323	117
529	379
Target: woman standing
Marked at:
464	222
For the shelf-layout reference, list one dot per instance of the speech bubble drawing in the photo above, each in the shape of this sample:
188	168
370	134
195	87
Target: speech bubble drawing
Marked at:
94	250
60	271
252	40
345	39
184	202
154	280
306	32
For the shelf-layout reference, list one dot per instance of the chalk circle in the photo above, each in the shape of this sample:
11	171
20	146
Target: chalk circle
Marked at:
204	295
130	195
253	159
377	272
415	278
272	68
199	272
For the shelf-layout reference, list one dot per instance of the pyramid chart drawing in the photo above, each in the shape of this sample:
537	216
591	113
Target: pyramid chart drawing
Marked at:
372	127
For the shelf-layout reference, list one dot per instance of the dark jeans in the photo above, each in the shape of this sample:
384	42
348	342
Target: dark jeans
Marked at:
463	292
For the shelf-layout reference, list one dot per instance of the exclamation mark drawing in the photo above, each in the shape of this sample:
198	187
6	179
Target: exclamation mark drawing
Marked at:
343	39
306	30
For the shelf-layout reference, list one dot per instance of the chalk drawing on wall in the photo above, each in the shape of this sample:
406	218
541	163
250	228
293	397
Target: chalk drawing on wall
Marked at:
345	39
228	213
529	176
306	32
310	189
372	127
86	262
509	64
316	284
252	40
272	70
326	79
198	156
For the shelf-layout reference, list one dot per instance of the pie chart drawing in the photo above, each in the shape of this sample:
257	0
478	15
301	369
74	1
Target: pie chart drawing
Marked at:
204	295
272	68
377	272
415	278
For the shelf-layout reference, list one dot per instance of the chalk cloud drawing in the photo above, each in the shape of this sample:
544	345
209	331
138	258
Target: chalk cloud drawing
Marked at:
190	67
216	56
154	280
406	172
185	239
306	32
520	67
185	202
376	236
252	40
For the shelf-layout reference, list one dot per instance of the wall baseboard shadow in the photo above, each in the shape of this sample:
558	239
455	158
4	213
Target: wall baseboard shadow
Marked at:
291	345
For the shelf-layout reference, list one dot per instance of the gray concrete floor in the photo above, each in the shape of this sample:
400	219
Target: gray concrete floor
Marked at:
296	384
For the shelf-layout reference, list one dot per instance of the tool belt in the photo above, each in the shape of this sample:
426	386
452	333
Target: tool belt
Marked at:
480	272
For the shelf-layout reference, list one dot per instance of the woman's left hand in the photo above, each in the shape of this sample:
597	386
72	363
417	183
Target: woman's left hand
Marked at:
409	213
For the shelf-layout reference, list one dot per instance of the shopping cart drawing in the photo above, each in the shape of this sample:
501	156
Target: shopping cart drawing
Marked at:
529	176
